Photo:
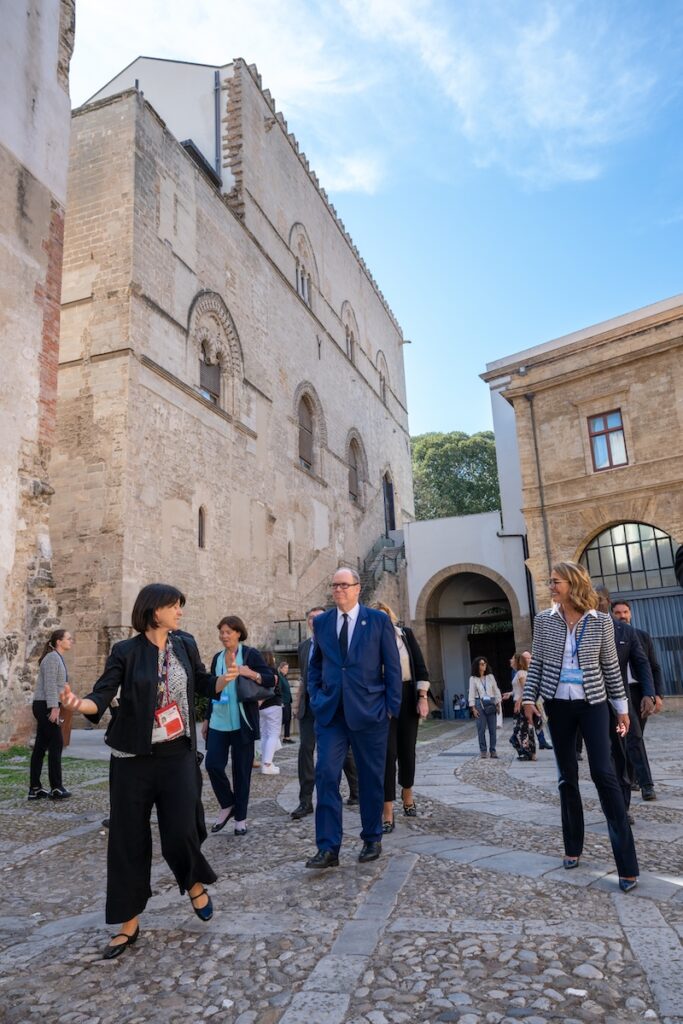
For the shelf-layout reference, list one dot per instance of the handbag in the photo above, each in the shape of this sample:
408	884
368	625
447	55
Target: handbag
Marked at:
248	691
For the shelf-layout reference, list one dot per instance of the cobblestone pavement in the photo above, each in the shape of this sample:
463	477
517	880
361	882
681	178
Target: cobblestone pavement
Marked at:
468	916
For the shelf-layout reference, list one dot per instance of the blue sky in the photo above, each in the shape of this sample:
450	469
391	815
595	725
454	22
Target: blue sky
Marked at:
511	170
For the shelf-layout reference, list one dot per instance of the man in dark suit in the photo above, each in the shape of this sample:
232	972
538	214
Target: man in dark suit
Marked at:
304	715
354	685
621	610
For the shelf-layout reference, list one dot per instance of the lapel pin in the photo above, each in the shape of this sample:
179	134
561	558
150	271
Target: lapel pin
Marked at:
362	622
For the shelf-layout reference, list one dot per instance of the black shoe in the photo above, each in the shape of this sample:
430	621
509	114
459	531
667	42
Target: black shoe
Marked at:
323	859
241	831
387	827
287	740
353	800
218	826
570	862
648	793
370	851
105	822
37	793
59	793
544	746
204	913
111	952
301	811
626	884
634	787
629	817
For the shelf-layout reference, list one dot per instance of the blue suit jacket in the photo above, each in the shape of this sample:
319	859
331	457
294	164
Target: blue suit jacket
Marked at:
370	676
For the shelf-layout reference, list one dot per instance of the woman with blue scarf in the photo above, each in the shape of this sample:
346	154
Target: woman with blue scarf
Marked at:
234	726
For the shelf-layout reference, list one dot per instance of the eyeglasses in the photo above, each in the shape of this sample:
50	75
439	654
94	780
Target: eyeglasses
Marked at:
554	583
343	586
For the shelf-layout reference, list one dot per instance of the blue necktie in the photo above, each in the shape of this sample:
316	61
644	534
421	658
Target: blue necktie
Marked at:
344	637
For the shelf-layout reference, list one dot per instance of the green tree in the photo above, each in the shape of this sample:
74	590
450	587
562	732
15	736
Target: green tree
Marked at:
454	474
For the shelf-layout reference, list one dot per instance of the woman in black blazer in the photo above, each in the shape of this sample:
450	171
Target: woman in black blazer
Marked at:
154	764
402	737
233	726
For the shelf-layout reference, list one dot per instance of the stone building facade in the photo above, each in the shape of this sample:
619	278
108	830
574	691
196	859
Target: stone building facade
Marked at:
599	422
35	50
232	409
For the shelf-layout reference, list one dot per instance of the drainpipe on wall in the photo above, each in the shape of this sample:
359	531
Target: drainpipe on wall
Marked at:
527	574
541	494
217	118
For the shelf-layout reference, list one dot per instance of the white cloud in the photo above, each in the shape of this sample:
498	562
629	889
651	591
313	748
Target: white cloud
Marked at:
359	172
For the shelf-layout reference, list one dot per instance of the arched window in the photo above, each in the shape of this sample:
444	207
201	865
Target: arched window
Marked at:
630	557
306	270
306	433
215	345
383	376
354	472
350	344
201	527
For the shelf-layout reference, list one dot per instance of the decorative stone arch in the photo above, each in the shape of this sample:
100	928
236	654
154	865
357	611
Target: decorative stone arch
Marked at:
429	637
383	376
351	331
213	337
306	267
353	438
307	390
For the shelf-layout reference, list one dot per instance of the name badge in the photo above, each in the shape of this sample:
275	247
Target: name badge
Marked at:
572	675
168	721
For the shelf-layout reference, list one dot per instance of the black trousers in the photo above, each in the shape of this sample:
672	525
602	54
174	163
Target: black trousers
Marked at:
565	719
48	738
401	744
638	764
170	780
306	766
287	719
218	745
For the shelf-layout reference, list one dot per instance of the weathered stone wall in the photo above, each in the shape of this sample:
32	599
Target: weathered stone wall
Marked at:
637	367
35	49
156	266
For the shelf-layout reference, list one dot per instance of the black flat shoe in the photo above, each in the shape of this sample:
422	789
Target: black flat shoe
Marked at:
301	811
59	793
241	831
570	862
370	851
626	884
387	827
218	826
323	859
111	952
204	913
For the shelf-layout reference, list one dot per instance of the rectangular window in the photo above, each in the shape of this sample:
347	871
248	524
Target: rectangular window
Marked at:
210	381
608	445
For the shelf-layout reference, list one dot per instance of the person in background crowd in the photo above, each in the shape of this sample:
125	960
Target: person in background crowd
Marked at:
542	717
270	722
575	668
233	727
52	677
286	694
152	737
402	738
485	701
304	715
354	685
523	738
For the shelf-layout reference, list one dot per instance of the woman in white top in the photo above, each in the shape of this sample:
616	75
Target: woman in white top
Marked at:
485	701
523	737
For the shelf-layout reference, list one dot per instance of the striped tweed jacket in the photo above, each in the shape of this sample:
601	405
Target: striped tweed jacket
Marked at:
597	656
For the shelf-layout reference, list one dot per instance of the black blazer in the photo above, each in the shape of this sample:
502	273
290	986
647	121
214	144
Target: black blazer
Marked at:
249	730
630	653
418	669
132	667
651	655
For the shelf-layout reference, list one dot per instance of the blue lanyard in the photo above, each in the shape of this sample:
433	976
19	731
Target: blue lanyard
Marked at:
575	645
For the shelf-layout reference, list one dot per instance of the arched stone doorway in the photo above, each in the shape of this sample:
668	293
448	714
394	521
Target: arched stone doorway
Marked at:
465	611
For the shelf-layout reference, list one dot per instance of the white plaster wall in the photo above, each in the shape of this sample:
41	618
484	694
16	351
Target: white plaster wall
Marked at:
507	459
182	94
434	544
34	108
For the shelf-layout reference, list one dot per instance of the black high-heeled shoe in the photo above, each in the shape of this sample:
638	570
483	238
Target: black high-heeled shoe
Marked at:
111	952
204	913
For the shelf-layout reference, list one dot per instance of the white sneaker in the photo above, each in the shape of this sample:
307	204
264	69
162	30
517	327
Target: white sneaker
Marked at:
270	769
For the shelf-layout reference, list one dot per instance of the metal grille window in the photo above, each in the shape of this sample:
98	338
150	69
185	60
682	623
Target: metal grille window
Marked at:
608	445
631	556
354	475
210	380
201	528
305	434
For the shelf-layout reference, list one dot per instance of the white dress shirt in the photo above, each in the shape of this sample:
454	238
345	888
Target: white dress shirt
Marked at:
352	615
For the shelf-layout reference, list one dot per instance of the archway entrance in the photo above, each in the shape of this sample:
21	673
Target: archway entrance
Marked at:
469	615
635	562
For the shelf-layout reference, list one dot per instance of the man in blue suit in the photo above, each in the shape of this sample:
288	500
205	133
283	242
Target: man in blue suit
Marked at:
354	686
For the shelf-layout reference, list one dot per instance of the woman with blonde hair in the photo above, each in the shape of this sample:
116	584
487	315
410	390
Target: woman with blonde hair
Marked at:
402	737
575	669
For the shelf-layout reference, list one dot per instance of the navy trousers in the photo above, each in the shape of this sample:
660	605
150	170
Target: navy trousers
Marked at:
218	747
369	748
566	718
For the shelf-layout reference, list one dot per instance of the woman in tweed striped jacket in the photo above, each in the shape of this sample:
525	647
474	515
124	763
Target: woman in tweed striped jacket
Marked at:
575	669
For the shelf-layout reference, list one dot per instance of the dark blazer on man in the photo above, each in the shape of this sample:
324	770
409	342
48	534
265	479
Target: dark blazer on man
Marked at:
651	655
631	653
133	668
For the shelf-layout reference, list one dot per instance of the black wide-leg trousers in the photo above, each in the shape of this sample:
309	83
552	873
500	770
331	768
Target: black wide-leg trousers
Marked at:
170	780
566	718
401	743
